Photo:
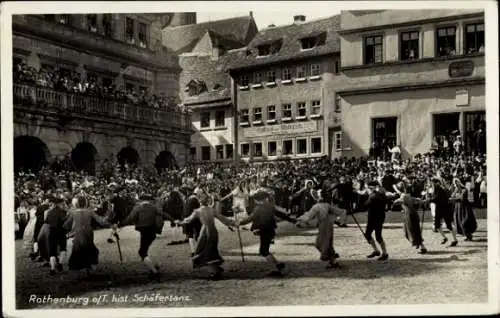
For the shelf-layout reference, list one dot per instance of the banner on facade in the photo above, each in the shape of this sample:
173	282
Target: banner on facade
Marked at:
283	129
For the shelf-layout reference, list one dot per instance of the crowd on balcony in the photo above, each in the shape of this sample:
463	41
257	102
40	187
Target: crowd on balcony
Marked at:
72	82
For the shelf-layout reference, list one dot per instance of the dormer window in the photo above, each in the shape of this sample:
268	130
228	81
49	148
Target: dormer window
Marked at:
269	48
264	50
313	41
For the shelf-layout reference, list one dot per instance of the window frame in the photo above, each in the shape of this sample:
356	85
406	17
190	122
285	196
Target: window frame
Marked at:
146	34
466	47
402	55
301	106
320	145
373	46
338	141
297	147
245	112
269	153
242	154
229	151
313	107
304	71
130	40
283	147
283	110
221	148
203	153
257	111
313	69
269	119
192	154
257	78
244	79
202	116
254	150
287	71
89	24
447	28
271	75
219	112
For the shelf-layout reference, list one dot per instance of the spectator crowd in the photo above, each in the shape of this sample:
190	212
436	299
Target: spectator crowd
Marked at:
64	80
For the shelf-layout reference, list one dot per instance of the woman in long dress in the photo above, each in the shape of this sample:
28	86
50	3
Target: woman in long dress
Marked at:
207	246
28	239
411	220
84	253
324	215
465	219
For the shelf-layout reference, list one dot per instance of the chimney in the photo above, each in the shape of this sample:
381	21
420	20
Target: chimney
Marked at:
251	14
299	19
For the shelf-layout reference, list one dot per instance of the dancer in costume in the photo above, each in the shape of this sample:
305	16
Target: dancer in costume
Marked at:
264	225
207	246
376	204
324	216
84	253
411	220
148	221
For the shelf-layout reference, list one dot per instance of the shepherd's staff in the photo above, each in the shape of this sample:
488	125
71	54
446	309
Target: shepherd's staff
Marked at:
239	236
359	227
115	234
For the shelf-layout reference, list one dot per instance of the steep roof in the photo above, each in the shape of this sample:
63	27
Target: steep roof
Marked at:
291	48
182	39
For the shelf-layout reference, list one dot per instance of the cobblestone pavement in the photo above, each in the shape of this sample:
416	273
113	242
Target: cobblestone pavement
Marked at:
444	275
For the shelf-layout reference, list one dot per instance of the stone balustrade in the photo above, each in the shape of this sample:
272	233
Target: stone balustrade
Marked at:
53	101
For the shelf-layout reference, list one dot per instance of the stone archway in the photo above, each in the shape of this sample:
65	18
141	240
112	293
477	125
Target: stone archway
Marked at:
30	153
84	157
128	156
165	161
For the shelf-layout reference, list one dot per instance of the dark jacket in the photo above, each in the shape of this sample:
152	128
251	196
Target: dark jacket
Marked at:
263	217
145	215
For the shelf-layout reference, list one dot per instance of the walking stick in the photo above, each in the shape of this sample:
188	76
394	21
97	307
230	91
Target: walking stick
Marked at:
359	227
423	217
239	238
115	234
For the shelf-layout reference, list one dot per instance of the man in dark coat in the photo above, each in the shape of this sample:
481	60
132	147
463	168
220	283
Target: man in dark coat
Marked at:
55	218
148	221
264	225
376	204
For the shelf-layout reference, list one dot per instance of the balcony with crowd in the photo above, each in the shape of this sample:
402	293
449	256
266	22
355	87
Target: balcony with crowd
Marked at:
62	88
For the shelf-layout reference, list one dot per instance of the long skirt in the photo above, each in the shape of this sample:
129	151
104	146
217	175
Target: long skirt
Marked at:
83	256
207	248
465	219
43	241
28	237
412	228
324	241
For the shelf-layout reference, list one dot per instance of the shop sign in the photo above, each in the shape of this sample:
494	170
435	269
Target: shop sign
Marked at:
283	129
461	69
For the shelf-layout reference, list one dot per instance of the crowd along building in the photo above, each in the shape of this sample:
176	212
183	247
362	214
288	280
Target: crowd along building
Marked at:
120	50
204	50
284	85
410	76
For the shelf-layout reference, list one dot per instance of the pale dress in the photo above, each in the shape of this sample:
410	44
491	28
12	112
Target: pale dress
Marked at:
28	239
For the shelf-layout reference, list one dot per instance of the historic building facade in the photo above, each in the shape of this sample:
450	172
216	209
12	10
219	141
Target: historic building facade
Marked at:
284	91
410	76
205	86
124	50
